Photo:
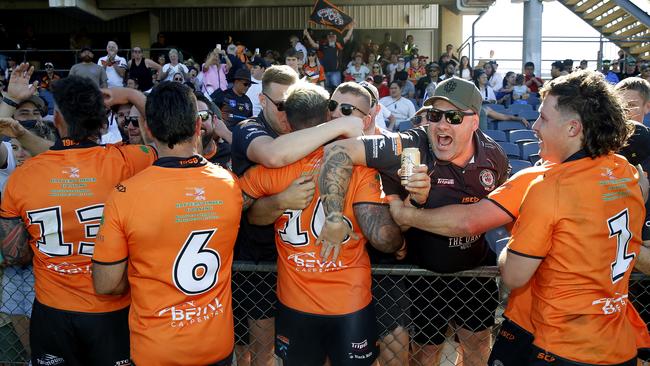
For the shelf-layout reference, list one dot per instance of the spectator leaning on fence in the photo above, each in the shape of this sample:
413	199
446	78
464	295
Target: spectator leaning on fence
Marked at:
347	333
64	289
450	147
582	123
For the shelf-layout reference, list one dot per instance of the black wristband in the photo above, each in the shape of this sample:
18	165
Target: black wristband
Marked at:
415	204
10	102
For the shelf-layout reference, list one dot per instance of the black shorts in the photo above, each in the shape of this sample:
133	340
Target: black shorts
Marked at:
470	302
392	303
539	357
60	337
253	297
512	346
307	339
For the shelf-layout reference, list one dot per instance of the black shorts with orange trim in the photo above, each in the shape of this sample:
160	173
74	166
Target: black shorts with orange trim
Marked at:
539	357
469	302
512	346
308	339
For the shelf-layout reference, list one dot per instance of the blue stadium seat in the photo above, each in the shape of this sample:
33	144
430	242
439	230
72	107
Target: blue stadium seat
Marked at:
512	150
646	119
518	135
509	125
496	135
531	116
529	149
518	165
533	158
534	101
518	108
404	125
496	107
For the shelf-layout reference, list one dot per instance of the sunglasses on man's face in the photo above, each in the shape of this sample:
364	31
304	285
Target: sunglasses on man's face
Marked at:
132	120
279	105
178	79
346	109
453	117
205	115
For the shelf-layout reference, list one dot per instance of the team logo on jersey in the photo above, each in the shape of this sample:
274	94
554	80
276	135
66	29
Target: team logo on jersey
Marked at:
197	192
49	360
120	187
232	103
445	182
73	172
309	262
189	313
608	173
487	179
247	106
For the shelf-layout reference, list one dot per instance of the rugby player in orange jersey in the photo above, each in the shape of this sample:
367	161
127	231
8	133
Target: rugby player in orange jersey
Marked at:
53	204
325	307
578	233
175	225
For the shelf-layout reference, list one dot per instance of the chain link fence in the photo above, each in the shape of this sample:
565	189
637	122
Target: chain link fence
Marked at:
423	318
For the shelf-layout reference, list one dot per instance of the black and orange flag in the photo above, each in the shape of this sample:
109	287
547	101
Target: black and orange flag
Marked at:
327	14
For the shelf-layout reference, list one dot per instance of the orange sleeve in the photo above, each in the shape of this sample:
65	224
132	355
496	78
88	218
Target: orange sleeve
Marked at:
260	181
9	208
111	243
321	72
509	195
139	157
531	235
368	189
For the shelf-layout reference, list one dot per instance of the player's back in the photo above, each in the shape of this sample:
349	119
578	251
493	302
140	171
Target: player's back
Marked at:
60	195
179	220
580	288
306	282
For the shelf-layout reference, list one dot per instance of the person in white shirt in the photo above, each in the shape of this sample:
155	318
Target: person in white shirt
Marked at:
173	67
254	91
400	108
495	79
299	47
481	82
114	65
358	70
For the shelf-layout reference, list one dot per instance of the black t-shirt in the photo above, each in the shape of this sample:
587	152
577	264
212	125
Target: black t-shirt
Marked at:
330	56
450	184
254	242
421	86
235	108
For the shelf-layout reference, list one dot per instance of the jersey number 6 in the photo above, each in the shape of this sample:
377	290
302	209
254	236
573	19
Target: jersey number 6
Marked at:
196	268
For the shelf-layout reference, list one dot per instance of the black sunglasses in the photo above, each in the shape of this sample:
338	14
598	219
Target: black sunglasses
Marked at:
453	117
346	109
204	115
132	120
278	105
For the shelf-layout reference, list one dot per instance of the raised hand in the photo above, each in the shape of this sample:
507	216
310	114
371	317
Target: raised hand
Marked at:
299	194
11	128
19	88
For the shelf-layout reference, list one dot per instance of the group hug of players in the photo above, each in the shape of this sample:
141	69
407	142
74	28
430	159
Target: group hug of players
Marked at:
132	245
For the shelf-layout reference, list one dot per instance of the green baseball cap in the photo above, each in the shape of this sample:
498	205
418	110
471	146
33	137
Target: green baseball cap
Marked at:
461	93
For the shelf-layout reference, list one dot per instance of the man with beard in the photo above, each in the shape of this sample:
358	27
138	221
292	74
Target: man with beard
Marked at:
215	136
88	69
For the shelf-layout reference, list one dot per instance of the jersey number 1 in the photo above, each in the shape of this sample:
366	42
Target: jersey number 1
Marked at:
619	226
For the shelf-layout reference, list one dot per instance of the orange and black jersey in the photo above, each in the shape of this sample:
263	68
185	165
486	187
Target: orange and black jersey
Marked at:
305	282
450	184
176	224
583	219
60	196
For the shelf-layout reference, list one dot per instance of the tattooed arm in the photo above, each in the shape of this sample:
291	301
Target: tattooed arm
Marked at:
378	226
15	241
333	183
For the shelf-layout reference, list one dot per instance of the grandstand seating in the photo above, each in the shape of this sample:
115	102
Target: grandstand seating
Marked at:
518	165
529	149
497	135
509	125
517	136
512	150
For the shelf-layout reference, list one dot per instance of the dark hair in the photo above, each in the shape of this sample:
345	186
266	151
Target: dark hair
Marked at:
558	65
477	75
399	83
306	105
291	52
505	78
82	106
529	64
211	106
599	108
171	113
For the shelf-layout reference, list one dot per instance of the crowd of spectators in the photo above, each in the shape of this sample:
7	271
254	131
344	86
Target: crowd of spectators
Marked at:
232	86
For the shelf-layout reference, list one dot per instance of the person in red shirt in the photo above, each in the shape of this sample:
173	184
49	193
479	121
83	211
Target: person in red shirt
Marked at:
533	82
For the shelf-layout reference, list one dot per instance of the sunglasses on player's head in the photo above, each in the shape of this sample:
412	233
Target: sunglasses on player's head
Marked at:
453	117
205	115
132	120
346	109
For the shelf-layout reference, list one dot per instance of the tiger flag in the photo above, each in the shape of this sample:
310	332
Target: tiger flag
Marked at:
327	14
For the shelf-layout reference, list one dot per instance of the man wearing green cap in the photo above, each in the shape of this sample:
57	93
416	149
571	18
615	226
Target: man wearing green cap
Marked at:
464	165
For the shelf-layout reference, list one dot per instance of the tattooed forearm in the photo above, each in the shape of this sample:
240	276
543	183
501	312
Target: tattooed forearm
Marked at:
378	226
334	180
15	241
